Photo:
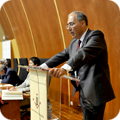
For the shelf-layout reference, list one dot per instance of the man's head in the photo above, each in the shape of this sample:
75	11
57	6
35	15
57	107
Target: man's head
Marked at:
3	61
2	69
77	24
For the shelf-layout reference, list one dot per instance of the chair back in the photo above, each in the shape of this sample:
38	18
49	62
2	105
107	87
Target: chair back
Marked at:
23	72
15	64
23	61
42	60
8	62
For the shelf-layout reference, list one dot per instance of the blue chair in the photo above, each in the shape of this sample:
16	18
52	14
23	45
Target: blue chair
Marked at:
8	62
23	72
15	64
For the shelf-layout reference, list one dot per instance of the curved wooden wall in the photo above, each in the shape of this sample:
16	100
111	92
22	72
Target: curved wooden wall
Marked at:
38	26
4	20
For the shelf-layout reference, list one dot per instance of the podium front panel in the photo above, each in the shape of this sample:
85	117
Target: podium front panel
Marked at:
42	104
38	92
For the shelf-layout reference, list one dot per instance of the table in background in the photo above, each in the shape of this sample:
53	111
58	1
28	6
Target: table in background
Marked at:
11	108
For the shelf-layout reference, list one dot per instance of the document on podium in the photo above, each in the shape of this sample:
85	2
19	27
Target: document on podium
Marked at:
38	88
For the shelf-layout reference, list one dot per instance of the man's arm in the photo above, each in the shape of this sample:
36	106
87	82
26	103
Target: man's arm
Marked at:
92	48
58	58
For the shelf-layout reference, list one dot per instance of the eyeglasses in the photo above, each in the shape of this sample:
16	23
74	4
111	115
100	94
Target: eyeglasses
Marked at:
71	24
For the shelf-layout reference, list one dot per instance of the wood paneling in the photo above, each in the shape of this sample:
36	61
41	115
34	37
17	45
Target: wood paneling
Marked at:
20	27
46	31
5	23
45	27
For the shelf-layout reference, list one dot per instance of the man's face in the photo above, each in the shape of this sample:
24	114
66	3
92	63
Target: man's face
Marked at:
2	72
74	26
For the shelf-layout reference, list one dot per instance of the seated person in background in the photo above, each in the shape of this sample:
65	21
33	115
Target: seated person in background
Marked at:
25	86
8	75
4	62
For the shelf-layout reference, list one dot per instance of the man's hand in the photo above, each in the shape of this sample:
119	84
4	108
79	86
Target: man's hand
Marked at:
57	72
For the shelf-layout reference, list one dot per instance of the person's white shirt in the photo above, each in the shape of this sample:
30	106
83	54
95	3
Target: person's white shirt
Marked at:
25	86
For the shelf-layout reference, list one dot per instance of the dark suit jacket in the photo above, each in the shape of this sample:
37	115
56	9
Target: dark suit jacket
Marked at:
91	63
10	77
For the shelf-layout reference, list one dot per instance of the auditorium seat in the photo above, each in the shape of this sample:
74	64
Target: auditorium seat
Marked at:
42	60
23	61
15	64
23	72
8	62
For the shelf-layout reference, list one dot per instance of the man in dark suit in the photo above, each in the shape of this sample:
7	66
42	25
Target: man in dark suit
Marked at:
89	61
8	75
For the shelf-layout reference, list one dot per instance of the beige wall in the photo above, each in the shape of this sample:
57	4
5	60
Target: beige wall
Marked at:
0	49
14	51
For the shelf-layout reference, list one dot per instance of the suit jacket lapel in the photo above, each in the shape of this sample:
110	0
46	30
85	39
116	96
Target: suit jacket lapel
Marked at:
85	38
74	45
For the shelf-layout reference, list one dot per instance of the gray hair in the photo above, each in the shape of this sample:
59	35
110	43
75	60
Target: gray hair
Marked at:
3	61
2	67
80	16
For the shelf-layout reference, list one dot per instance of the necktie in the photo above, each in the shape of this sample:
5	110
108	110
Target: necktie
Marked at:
78	44
77	82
